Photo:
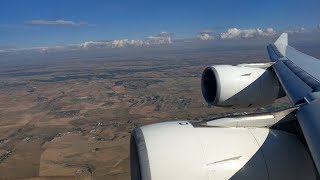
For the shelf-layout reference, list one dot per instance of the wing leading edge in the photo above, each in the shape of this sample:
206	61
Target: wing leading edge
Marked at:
299	76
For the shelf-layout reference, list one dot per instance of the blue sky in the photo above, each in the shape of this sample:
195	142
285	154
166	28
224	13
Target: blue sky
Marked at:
34	22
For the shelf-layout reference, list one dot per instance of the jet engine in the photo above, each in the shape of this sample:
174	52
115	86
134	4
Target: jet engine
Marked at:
240	86
184	150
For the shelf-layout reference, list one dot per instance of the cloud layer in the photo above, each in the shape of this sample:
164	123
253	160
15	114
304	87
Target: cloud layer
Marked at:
235	33
298	30
161	38
55	22
205	35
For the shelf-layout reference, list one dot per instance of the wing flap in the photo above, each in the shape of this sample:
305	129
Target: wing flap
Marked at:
309	120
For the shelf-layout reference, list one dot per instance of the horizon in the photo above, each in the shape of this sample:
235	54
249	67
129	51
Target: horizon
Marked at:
59	23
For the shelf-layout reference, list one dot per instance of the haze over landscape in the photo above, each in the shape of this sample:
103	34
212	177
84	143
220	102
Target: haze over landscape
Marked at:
77	76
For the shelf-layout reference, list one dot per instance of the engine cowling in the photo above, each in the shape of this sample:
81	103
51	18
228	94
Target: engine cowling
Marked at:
181	150
240	86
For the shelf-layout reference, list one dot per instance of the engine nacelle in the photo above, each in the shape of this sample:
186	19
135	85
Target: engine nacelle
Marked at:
240	86
182	150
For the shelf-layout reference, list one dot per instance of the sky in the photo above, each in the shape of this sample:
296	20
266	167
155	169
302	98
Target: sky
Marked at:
58	22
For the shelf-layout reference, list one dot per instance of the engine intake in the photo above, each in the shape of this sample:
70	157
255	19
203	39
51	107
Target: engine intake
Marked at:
240	86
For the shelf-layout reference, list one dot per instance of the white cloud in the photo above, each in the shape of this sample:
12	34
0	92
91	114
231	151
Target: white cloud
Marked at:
235	33
161	38
205	35
55	22
90	44
31	49
298	30
126	42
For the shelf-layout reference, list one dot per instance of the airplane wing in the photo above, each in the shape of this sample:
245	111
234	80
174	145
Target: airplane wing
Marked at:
272	145
299	75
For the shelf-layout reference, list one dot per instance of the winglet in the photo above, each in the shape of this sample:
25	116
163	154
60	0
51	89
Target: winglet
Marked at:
283	39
